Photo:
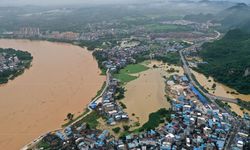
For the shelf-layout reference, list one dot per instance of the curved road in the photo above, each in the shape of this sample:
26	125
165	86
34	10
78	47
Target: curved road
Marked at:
189	74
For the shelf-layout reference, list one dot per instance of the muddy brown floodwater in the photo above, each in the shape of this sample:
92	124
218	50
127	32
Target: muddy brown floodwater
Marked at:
63	78
146	94
221	90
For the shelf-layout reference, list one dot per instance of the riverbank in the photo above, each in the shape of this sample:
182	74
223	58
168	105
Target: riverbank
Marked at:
63	79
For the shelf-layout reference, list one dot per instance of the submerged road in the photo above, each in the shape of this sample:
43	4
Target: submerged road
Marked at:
189	74
235	122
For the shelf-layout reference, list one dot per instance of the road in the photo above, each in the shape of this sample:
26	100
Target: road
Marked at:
236	123
37	140
189	74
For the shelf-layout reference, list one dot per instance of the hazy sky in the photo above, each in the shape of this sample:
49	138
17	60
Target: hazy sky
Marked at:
63	2
59	2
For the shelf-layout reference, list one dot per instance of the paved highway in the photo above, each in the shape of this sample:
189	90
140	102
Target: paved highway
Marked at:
236	122
189	74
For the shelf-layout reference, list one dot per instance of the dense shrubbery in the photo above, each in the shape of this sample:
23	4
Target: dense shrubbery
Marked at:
156	118
91	120
244	104
116	130
120	91
171	58
22	55
100	56
228	60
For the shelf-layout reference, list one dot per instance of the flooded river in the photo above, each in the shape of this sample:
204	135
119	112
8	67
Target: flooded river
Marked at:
63	78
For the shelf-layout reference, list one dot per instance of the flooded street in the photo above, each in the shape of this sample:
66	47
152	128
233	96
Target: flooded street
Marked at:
221	90
63	78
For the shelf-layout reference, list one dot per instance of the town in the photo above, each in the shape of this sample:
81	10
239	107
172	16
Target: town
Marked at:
194	123
139	76
194	120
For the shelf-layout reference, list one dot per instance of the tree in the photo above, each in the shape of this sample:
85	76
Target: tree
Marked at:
70	116
126	128
116	130
214	86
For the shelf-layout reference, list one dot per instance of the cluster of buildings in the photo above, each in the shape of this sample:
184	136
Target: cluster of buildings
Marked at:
8	62
117	57
195	124
71	36
27	32
109	106
100	33
242	134
79	138
167	47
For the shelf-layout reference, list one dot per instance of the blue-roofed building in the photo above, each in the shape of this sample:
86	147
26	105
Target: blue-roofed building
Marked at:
210	123
177	107
103	135
173	116
93	105
169	125
131	145
68	131
202	147
220	144
181	98
246	116
60	135
165	147
128	137
99	143
199	95
151	132
184	78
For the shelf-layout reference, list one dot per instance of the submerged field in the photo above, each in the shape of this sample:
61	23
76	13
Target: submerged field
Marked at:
221	90
146	94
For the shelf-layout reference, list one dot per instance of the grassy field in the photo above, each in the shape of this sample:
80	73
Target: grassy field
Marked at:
156	118
125	76
90	119
165	27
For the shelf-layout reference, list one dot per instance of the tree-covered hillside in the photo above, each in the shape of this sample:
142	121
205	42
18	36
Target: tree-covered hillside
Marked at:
229	60
235	17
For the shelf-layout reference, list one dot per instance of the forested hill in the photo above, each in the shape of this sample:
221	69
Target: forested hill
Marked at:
237	16
229	60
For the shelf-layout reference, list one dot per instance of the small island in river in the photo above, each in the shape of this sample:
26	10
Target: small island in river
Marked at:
13	63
